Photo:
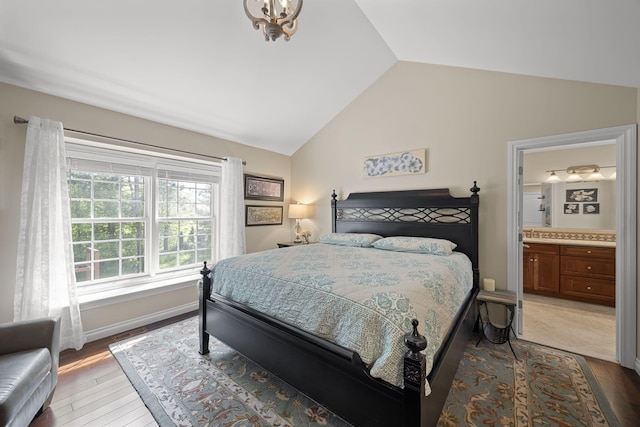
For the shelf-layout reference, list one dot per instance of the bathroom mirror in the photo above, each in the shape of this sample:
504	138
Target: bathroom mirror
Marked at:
584	201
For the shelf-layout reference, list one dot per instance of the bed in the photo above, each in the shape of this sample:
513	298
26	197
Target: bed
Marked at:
335	375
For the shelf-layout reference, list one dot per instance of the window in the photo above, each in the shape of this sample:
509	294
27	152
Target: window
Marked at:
184	220
137	219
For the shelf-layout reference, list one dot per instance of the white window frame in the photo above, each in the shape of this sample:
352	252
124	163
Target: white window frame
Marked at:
153	280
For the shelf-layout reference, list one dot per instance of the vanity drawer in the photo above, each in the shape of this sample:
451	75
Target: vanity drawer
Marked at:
593	267
588	251
588	288
541	248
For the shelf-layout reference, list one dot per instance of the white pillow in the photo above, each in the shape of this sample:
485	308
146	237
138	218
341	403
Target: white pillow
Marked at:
362	240
418	245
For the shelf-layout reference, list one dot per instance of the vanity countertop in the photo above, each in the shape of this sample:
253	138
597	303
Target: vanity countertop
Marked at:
569	242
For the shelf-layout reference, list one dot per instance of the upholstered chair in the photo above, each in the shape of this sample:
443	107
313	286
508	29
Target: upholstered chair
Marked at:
28	368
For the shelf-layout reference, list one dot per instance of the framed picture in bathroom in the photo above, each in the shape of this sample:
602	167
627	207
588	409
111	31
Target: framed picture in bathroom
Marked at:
591	208
571	208
582	195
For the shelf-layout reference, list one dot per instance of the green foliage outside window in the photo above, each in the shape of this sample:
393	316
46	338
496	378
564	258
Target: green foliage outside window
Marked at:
109	224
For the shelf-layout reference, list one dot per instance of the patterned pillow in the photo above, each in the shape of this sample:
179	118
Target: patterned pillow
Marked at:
362	240
418	245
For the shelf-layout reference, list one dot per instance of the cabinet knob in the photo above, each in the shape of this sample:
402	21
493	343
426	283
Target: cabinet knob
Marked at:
588	288
588	252
588	267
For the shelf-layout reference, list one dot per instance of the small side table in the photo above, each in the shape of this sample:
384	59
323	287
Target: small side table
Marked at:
495	332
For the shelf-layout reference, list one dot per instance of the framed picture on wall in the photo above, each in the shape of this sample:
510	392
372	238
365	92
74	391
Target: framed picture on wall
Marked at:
263	188
401	163
263	215
571	208
582	195
591	208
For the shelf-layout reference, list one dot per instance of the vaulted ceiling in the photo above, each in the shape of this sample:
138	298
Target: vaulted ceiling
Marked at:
199	64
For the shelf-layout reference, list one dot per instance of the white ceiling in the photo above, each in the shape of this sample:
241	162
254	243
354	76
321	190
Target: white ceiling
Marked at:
199	64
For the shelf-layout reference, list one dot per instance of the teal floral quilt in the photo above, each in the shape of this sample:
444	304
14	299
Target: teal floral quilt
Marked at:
360	298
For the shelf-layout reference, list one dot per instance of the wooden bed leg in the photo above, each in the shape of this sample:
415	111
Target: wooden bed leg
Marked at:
414	376
204	291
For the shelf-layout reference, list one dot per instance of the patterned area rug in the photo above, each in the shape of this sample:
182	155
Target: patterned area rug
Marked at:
180	387
544	387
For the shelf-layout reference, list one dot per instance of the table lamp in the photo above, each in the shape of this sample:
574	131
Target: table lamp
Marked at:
298	212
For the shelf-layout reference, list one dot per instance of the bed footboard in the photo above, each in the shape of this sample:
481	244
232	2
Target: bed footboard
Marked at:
332	375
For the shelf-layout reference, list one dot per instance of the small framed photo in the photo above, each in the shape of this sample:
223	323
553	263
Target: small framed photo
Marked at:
591	208
571	208
263	188
263	215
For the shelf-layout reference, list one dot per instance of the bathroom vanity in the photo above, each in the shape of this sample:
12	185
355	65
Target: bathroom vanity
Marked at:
566	264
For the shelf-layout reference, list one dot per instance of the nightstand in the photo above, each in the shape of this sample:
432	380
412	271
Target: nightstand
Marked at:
287	244
497	331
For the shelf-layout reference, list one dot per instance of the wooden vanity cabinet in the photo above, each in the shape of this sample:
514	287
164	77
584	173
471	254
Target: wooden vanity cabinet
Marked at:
580	273
540	269
588	274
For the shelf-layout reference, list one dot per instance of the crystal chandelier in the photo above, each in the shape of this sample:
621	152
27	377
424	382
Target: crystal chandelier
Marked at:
276	17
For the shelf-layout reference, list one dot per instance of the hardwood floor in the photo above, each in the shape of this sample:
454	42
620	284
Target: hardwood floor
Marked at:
93	390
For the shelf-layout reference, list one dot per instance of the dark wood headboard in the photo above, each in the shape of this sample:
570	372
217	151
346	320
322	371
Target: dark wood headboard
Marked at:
420	213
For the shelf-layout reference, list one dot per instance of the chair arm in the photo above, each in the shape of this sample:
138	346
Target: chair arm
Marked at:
33	334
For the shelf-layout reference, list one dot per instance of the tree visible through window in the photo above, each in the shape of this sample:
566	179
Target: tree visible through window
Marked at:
184	213
108	225
133	222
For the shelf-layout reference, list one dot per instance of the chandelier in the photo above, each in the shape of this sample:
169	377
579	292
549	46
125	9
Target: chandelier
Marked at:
276	17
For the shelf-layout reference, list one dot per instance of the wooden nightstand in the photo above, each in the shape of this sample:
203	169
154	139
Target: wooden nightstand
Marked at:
287	244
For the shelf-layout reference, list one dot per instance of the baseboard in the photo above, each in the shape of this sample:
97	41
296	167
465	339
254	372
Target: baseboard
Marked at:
116	328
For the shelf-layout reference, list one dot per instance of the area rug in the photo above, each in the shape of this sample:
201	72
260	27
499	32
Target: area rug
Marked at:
543	387
182	388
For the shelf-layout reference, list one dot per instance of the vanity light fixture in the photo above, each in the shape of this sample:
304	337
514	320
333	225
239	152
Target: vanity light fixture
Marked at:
580	173
553	177
596	175
573	175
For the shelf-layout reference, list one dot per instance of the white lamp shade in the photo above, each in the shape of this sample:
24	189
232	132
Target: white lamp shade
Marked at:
298	211
553	177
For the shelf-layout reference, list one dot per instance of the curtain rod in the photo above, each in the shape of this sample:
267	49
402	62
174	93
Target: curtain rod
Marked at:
21	121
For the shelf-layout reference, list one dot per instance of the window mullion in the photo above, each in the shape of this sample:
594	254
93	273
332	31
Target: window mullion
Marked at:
152	215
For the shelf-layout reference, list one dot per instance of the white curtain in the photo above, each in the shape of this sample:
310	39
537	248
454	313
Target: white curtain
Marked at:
45	278
232	235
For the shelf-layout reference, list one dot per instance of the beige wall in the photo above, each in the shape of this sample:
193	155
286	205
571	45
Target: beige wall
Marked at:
25	103
464	118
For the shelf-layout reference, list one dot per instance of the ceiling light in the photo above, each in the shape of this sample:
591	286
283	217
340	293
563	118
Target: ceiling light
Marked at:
553	177
276	17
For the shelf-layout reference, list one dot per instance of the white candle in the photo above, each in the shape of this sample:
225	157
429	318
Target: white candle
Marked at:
489	284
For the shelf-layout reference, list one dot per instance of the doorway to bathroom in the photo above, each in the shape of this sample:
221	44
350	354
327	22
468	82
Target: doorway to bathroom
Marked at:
624	139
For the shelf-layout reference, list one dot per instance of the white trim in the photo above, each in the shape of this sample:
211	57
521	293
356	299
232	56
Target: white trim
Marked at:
154	162
149	159
138	322
131	150
626	233
111	296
